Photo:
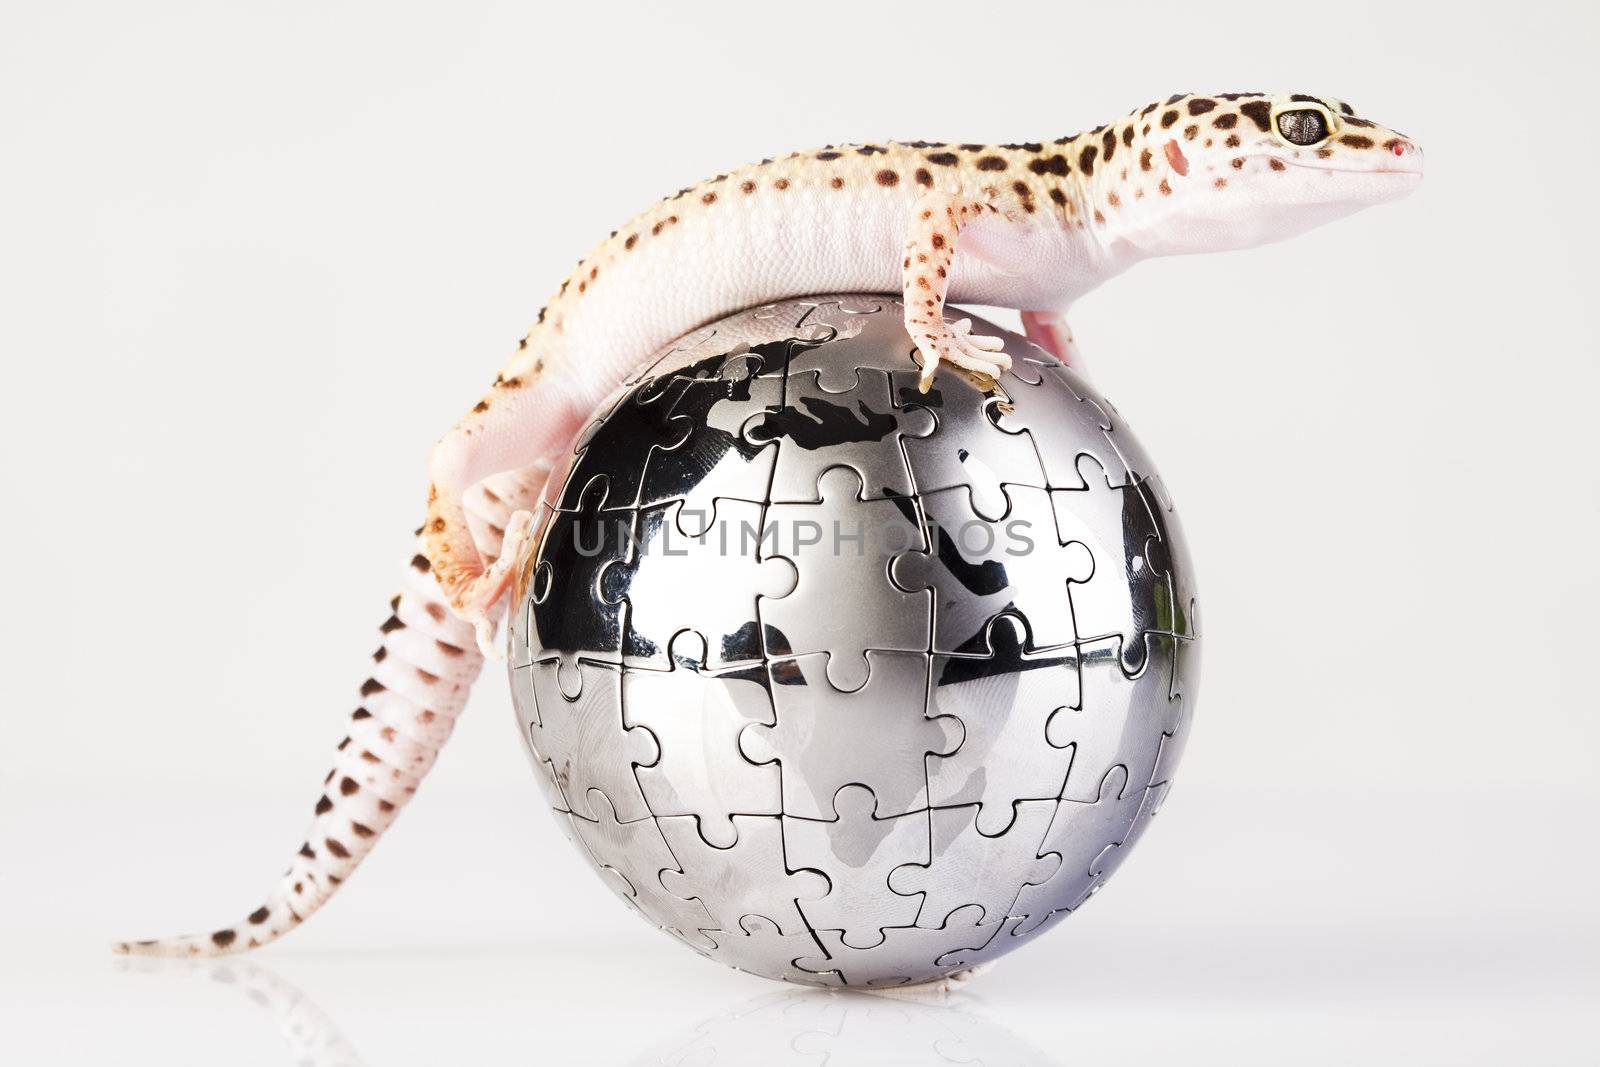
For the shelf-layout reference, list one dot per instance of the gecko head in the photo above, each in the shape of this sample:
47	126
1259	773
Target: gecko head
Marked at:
1234	170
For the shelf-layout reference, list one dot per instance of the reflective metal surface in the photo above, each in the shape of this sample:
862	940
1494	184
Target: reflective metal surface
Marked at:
843	683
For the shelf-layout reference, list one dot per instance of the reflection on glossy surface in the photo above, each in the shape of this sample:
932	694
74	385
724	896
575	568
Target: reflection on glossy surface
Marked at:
312	1037
792	1027
788	1029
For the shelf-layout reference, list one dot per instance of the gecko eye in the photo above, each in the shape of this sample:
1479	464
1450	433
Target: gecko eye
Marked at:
1304	122
1303	127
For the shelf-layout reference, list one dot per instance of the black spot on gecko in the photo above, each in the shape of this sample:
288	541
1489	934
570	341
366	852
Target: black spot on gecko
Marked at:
324	805
871	150
887	178
991	163
420	562
1056	164
943	159
348	785
827	156
923	176
260	916
370	686
1168	118
360	713
1086	159
223	938
1225	121
337	849
1200	105
1258	112
306	851
361	830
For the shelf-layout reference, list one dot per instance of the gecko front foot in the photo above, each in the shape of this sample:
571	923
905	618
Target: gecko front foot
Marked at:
956	344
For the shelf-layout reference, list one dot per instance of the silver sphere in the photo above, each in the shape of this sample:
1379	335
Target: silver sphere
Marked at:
844	683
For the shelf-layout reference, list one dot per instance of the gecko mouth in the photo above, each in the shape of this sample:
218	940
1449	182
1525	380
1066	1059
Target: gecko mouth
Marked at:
1414	171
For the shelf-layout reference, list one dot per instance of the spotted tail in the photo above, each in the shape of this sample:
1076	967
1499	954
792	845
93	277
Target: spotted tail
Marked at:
422	672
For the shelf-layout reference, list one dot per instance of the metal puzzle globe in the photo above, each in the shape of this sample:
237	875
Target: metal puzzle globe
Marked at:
843	683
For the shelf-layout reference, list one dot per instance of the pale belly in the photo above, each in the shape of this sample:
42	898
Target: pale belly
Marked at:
720	262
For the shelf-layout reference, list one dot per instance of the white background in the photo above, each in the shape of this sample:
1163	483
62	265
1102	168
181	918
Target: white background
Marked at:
254	259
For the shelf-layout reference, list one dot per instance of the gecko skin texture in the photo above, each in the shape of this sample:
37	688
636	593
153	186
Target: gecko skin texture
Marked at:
1031	226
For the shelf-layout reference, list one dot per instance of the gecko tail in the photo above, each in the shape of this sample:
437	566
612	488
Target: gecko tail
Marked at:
422	673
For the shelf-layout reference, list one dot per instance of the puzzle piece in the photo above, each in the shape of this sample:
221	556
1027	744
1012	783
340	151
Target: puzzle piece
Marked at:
979	569
540	677
844	544
695	717
998	944
713	459
671	594
1121	718
817	429
756	942
568	615
1079	834
854	329
1005	703
638	853
1133	462
968	447
585	743
1129	590
870	337
856	850
608	454
971	867
874	737
1066	418
734	881
904	952
691	346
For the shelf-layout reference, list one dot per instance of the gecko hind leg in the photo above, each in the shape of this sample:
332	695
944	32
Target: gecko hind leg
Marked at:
1049	330
485	591
520	424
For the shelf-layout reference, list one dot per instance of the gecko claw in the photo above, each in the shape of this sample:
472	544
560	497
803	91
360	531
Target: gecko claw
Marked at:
976	355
